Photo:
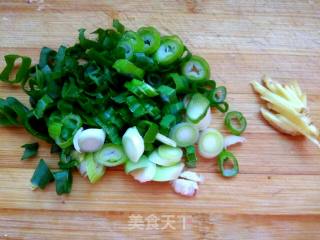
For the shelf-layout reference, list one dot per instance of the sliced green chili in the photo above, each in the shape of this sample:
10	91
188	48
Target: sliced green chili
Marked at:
151	38
222	158
235	128
218	95
196	69
170	50
22	73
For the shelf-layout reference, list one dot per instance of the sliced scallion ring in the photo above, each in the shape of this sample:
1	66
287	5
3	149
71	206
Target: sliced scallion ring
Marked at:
133	144
168	141
135	40
170	50
110	155
205	122
225	156
170	153
196	69
164	174
218	95
210	143
94	170
91	140
131	166
128	49
235	128
197	108
151	38
184	134
157	159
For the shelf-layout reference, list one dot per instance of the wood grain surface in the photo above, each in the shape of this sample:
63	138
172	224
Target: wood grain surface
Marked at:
277	193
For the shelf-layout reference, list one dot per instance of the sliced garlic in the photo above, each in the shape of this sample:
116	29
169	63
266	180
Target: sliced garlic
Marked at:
232	140
192	176
185	187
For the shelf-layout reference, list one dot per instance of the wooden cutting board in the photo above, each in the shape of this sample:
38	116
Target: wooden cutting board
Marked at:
277	193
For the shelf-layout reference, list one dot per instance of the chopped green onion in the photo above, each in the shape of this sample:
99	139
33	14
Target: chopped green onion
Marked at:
95	171
170	153
151	38
91	140
196	69
126	67
30	150
170	50
145	174
191	157
164	174
184	134
42	175
205	122
218	95
210	143
162	161
197	108
225	156
135	40
63	181
110	155
222	107
235	128
140	88
150	131
131	166
22	73
133	144
164	139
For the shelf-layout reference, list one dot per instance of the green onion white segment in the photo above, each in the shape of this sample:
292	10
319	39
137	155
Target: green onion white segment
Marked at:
133	144
210	143
89	140
184	134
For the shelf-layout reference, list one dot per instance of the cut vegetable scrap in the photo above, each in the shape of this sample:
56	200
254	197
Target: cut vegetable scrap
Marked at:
286	108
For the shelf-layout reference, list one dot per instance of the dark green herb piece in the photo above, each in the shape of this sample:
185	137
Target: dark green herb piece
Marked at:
30	150
191	157
63	181
42	175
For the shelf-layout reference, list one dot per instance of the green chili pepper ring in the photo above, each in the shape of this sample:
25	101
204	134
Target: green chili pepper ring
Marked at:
222	158
236	130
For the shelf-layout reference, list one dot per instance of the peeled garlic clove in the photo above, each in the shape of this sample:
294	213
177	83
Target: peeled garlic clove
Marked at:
91	140
133	144
233	139
185	187
192	176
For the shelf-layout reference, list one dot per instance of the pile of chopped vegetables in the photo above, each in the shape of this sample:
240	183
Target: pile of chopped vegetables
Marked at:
136	99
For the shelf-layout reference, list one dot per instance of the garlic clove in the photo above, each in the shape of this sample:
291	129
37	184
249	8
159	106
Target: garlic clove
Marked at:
185	187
